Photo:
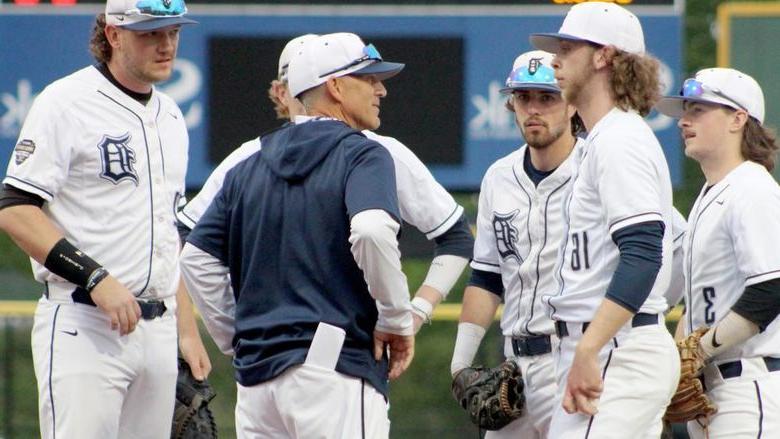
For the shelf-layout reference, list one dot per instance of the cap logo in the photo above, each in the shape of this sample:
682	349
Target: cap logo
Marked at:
533	65
166	3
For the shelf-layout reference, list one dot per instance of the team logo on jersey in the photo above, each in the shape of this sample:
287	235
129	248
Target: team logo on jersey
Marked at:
506	234
118	159
24	149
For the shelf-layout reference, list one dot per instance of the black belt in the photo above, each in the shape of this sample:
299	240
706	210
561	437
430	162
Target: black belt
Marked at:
150	309
640	319
733	369
529	346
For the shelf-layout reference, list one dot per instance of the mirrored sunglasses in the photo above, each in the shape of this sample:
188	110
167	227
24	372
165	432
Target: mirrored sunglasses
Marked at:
158	8
541	74
693	88
369	53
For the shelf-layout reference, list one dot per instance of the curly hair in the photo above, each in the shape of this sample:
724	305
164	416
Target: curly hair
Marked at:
635	81
759	144
99	46
282	112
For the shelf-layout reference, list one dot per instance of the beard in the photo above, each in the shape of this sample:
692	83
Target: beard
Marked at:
575	85
543	138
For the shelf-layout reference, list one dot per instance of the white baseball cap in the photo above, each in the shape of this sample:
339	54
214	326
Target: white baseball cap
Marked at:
287	53
334	55
146	15
532	71
728	87
603	23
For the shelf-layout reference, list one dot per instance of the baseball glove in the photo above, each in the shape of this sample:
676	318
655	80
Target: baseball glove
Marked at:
492	397
689	401
192	418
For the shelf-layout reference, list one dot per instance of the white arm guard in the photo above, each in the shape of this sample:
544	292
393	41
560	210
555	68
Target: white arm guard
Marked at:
466	345
444	272
375	248
208	282
730	331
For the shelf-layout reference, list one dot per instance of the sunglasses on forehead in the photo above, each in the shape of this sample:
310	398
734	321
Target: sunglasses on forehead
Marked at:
369	53
537	74
693	88
156	8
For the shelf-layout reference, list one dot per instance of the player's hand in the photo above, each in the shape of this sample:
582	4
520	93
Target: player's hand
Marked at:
194	353
584	384
400	350
418	322
118	303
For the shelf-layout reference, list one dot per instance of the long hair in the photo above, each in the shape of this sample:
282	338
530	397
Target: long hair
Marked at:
759	144
282	112
99	46
635	81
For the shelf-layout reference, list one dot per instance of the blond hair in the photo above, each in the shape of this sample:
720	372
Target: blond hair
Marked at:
635	81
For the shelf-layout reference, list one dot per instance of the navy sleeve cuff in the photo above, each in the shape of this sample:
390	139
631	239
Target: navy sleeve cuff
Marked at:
641	251
457	241
760	303
487	281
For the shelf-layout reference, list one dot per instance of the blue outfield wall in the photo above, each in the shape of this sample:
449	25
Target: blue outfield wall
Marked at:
36	49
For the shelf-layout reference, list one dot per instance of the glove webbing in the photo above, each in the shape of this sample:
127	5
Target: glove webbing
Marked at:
183	415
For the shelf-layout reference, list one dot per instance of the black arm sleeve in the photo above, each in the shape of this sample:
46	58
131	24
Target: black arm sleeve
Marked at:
457	240
487	281
760	303
11	196
641	251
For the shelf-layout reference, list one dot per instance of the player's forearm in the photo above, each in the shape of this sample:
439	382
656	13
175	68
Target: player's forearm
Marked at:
375	249
208	282
479	306
185	313
442	276
732	330
31	230
609	318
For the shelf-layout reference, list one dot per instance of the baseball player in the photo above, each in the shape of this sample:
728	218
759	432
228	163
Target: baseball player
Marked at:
617	365
306	230
519	230
90	194
423	203
732	267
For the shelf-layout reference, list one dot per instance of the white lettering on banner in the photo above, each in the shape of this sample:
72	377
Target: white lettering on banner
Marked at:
183	88
493	120
16	107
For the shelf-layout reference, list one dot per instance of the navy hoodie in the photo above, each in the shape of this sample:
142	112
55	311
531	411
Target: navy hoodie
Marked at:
281	223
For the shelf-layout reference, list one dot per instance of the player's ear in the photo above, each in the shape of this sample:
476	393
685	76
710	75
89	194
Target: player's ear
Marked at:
602	56
112	35
738	121
335	89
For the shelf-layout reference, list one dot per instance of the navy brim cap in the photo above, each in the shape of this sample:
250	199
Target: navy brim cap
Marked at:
157	23
382	70
551	42
674	106
530	86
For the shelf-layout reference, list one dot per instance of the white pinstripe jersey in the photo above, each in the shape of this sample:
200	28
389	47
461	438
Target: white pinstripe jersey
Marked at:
519	231
732	243
111	171
423	202
623	180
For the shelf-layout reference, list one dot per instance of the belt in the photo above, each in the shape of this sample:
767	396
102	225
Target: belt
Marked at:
733	369
640	319
529	346
150	309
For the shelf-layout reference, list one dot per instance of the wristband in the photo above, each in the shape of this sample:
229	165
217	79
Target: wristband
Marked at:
95	278
71	264
422	308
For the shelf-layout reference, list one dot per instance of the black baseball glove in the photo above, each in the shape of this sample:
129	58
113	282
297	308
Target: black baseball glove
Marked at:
492	397
192	418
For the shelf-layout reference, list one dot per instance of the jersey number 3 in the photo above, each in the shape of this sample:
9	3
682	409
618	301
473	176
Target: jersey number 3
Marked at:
579	245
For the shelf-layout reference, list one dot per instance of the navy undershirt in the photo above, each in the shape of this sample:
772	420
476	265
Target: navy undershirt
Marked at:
534	174
143	98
